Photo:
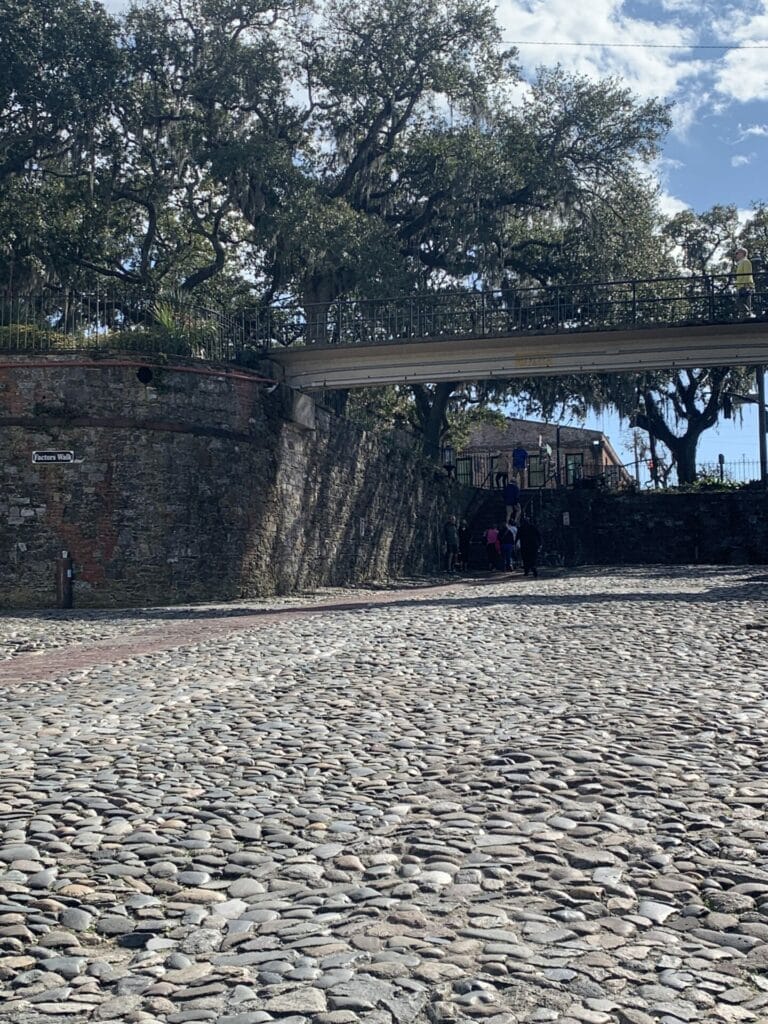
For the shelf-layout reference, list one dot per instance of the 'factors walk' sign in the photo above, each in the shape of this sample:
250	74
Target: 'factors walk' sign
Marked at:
52	458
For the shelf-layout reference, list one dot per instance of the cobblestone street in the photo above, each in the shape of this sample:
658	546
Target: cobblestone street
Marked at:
505	801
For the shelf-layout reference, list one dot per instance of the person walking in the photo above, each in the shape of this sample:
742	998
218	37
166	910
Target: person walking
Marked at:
451	541
492	547
507	539
512	502
745	283
530	542
464	541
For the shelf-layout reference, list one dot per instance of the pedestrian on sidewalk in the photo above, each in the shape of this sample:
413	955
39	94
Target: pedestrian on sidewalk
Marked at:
464	541
492	547
530	542
451	543
508	539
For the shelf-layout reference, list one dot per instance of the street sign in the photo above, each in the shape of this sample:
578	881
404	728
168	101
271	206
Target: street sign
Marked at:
52	458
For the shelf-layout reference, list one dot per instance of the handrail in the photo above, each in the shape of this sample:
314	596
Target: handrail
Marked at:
663	301
110	321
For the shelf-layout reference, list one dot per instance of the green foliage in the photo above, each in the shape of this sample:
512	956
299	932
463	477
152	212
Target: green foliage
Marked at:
33	338
710	482
240	152
705	241
180	328
59	69
29	338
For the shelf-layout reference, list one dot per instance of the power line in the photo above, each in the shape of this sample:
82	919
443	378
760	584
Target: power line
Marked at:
642	46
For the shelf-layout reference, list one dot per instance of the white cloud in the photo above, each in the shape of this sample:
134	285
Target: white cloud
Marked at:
740	74
742	159
648	71
689	109
754	129
670	205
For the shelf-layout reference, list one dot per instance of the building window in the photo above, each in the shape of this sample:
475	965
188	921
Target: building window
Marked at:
574	468
536	471
464	470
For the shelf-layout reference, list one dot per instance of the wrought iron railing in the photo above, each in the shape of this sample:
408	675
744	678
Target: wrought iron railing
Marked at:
584	306
103	320
481	469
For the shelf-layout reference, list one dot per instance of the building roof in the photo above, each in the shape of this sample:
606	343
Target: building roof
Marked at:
487	437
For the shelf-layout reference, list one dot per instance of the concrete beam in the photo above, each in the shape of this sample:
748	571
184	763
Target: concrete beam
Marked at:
522	355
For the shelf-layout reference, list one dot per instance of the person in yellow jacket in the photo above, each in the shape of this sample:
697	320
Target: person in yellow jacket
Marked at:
745	283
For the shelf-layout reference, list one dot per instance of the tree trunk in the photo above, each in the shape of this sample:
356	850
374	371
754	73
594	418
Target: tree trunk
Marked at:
684	451
431	408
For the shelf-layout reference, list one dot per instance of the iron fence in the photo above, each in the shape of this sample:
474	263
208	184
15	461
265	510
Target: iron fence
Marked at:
103	321
478	469
481	469
738	471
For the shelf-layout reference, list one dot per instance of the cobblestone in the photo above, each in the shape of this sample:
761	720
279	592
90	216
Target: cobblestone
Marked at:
509	800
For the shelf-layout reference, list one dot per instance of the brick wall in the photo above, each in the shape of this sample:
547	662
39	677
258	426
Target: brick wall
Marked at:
198	487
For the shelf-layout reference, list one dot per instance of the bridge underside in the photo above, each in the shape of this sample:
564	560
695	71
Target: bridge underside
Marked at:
522	355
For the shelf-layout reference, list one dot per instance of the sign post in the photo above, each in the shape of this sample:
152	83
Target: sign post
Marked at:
65	575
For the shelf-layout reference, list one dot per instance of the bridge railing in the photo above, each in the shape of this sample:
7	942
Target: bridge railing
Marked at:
68	320
584	306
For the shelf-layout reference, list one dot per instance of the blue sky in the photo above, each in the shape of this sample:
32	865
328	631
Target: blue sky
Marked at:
716	150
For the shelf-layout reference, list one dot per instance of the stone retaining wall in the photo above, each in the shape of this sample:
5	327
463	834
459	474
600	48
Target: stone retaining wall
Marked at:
200	485
715	528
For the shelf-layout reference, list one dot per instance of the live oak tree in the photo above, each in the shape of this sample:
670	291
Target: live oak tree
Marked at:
674	408
253	152
58	73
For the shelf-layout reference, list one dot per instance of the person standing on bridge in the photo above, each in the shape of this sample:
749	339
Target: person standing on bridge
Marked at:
519	463
745	283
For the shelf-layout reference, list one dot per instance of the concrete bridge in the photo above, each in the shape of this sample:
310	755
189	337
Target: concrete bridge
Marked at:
587	327
542	353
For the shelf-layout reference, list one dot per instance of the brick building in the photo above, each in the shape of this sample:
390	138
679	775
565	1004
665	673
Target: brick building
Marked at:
539	455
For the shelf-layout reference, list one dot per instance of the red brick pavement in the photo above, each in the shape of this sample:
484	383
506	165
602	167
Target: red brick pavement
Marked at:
62	661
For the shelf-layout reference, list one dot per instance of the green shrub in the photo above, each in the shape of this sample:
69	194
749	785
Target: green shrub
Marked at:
153	340
33	338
